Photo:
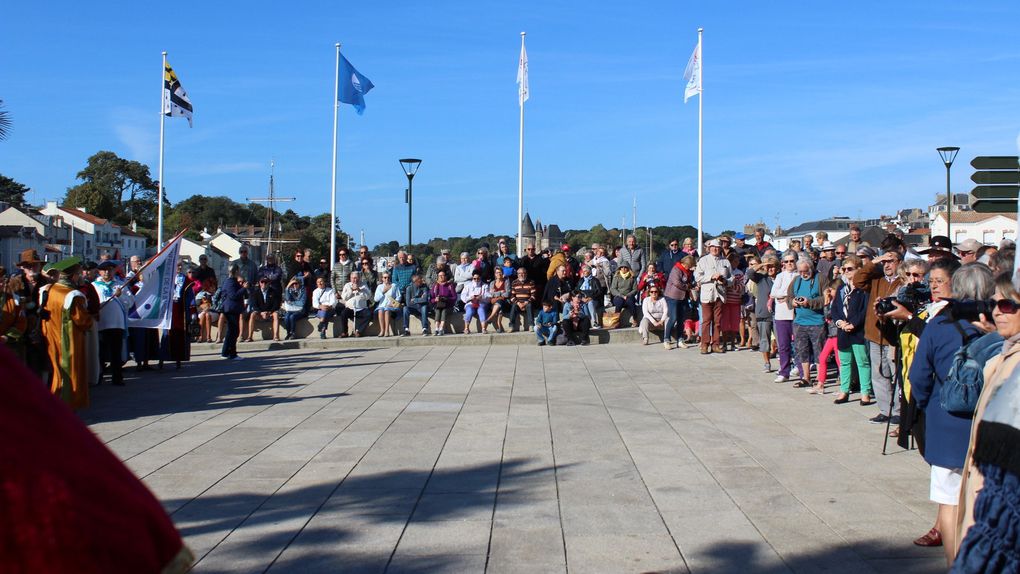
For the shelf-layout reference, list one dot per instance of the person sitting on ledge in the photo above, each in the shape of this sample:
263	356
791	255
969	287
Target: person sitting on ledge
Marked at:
416	302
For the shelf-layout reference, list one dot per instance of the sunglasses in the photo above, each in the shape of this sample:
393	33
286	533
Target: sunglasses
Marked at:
909	274
841	253
653	291
788	261
849	268
1007	306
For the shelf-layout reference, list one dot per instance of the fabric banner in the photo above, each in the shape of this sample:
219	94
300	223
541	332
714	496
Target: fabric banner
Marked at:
175	100
154	299
693	74
522	77
353	86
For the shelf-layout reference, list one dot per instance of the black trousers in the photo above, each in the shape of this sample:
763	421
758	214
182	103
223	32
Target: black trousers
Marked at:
578	333
111	350
361	319
233	332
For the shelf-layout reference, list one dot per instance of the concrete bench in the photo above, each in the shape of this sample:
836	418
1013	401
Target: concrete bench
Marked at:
308	327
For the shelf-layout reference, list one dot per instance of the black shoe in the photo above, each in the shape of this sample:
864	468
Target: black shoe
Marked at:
541	343
842	400
406	333
879	418
118	383
571	343
322	334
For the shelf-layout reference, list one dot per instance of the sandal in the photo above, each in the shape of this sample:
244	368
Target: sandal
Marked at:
802	384
932	538
817	390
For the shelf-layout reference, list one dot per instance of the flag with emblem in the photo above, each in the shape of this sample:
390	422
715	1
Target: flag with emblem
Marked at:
693	74
522	76
352	86
153	299
175	100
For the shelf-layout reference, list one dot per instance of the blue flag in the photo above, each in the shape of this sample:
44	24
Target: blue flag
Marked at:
353	86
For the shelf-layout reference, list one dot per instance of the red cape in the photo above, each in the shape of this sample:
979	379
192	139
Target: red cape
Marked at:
68	504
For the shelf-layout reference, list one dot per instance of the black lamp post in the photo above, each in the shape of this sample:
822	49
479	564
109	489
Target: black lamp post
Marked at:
948	154
410	166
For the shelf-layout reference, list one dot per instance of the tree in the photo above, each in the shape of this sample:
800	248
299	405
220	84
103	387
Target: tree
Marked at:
12	192
117	189
5	122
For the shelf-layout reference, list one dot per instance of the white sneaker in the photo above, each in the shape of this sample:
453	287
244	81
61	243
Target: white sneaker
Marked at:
644	340
682	344
667	345
781	379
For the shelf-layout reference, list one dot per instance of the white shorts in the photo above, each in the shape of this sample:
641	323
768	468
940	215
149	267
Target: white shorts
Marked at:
945	485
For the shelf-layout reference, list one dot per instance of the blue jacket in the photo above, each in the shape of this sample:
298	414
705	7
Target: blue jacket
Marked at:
668	259
855	313
946	435
233	296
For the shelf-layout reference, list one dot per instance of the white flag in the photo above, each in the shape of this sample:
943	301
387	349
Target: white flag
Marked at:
175	100
154	299
522	77
693	74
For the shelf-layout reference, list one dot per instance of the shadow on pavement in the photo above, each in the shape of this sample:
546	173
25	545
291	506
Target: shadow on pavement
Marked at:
354	525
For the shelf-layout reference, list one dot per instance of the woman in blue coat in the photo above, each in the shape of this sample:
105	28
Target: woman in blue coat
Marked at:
848	313
946	435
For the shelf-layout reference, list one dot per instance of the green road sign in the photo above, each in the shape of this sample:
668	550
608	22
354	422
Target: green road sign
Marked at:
994	206
994	162
993	177
996	191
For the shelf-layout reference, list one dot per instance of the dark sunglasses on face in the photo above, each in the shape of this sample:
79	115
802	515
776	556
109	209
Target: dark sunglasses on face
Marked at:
910	274
1007	306
849	268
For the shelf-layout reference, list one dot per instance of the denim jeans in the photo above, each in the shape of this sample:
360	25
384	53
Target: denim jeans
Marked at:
420	311
290	320
677	309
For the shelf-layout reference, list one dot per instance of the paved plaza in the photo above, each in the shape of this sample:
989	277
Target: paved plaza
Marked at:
506	458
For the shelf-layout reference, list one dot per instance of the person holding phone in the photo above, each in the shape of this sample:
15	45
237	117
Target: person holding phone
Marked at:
809	319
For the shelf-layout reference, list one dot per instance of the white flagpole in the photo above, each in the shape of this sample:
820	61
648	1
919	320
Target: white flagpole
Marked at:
162	118
336	117
520	176
701	170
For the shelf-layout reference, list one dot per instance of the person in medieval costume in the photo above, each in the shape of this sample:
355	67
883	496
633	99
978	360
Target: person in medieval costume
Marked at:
12	316
142	341
65	323
175	345
84	284
115	300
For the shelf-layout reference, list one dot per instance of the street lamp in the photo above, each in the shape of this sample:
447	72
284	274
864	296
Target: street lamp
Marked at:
410	166
948	154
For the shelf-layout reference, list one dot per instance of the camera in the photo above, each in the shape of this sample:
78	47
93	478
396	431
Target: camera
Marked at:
970	309
885	305
914	296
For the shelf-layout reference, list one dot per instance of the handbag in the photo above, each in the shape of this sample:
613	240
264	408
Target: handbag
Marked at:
440	303
610	319
961	388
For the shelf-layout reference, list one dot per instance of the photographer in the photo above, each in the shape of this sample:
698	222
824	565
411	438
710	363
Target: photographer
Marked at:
880	280
946	435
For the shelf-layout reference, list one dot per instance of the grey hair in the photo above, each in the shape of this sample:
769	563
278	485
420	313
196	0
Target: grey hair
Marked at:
913	264
973	281
806	261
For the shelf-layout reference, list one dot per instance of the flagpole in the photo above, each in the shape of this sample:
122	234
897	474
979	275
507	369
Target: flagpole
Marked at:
336	119
520	175
162	119
701	170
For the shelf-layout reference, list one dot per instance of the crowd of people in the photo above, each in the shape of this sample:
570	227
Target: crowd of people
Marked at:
903	327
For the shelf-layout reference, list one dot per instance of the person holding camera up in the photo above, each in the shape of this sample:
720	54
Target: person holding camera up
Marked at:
880	279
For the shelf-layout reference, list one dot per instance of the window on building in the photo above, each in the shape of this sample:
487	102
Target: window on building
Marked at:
959	236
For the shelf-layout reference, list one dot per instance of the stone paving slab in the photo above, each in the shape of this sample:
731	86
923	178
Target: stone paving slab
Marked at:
514	458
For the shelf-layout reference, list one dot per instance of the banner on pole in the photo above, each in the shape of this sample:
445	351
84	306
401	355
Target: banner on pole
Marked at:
154	299
352	86
522	76
693	74
175	100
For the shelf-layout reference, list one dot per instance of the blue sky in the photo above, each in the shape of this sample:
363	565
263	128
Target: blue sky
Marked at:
810	111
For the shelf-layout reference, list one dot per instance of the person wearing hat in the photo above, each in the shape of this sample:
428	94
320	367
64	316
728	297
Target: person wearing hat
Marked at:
623	291
65	323
30	260
90	271
30	269
968	250
633	255
712	274
114	302
726	243
939	247
175	344
826	262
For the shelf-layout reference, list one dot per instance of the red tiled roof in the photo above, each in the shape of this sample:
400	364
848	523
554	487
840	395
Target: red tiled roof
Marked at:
86	216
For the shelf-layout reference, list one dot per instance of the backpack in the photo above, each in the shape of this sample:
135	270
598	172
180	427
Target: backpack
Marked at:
966	378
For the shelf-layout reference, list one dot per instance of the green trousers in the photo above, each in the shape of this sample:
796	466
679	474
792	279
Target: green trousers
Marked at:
857	354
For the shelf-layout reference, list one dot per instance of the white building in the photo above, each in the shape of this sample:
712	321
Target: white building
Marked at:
836	227
98	235
16	238
988	228
132	244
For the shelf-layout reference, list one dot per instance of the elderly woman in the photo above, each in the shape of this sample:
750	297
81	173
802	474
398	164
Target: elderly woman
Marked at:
732	303
368	275
783	314
623	290
688	248
444	297
432	273
989	525
763	276
652	277
946	434
809	319
475	297
324	300
462	273
590	292
387	302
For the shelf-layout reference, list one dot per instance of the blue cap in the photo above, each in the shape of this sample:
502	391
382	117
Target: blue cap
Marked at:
739	235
